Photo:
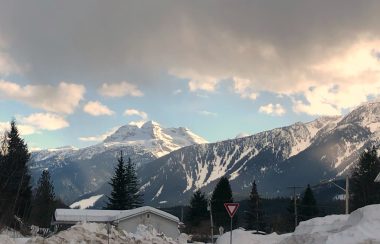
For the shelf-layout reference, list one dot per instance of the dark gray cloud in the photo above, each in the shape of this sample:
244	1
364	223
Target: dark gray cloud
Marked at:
107	41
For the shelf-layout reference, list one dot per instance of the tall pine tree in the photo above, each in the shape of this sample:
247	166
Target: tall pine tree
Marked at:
363	188
132	186
16	190
254	217
308	207
118	200
44	201
222	194
198	209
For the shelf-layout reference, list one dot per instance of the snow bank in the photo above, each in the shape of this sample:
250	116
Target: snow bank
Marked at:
97	233
4	239
241	237
361	226
11	233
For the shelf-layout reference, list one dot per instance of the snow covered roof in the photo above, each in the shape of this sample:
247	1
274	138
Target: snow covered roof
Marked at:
95	215
142	210
85	215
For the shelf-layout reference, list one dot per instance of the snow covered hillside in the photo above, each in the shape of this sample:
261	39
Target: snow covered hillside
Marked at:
175	162
299	154
80	171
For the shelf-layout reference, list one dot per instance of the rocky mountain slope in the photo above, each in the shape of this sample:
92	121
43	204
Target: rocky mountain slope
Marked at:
80	171
298	154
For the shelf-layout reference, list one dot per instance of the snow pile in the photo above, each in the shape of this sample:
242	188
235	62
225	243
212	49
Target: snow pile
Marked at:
148	234
11	233
4	239
241	236
361	226
97	233
86	203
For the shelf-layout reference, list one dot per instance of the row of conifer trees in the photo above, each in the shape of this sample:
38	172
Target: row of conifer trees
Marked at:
364	191
20	204
19	201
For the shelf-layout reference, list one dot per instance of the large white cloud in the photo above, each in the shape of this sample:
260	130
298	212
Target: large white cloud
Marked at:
45	121
37	122
95	108
23	129
287	47
63	98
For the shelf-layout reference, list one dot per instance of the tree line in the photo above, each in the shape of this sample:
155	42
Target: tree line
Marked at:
21	205
363	191
19	201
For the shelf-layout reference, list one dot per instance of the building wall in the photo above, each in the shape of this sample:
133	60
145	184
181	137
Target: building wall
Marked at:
162	225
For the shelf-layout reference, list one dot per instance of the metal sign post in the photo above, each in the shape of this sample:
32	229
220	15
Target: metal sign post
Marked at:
231	210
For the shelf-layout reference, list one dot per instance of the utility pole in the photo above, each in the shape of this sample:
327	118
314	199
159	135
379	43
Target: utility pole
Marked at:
209	208
347	194
182	214
346	190
257	215
295	204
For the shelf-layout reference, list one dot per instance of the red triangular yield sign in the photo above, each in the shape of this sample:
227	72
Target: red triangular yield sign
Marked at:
231	208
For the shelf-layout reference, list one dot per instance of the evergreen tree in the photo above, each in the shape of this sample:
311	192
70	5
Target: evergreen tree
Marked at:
308	208
363	188
222	194
198	208
119	197
44	201
132	186
3	153
16	191
254	217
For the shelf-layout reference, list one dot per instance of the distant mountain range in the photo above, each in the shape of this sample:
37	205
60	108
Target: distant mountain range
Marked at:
175	162
80	171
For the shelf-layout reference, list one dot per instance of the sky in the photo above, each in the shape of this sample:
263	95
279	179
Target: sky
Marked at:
73	71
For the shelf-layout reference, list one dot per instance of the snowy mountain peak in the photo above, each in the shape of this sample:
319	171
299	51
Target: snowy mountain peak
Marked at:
152	137
150	124
365	114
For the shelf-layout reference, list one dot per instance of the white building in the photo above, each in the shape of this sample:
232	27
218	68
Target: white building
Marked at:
127	220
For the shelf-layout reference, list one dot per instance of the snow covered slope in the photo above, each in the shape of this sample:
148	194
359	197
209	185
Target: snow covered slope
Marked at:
80	171
175	162
152	137
301	153
86	203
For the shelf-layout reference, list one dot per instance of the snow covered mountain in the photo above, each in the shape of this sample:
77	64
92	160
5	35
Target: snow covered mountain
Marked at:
175	162
79	171
298	154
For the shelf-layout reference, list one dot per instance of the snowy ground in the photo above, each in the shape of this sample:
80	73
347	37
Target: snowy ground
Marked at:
361	226
97	233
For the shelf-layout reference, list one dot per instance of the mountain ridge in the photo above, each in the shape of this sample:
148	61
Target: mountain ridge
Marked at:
299	153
